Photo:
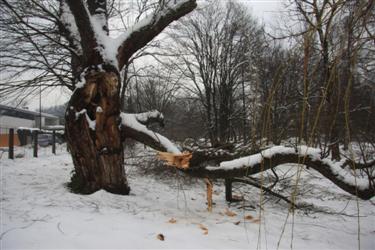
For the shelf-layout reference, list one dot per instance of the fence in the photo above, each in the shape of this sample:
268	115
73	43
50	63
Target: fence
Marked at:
9	138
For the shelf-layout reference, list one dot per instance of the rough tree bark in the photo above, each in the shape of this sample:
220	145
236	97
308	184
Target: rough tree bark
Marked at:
93	130
93	135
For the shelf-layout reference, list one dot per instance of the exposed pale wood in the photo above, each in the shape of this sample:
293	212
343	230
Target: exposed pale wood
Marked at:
176	160
209	187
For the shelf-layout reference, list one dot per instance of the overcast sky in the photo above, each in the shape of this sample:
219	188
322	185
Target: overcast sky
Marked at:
267	11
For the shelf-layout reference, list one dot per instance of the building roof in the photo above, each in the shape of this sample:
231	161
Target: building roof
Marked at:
22	113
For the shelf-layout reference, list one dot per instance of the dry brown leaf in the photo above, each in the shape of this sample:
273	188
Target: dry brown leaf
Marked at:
229	213
237	222
160	237
205	230
249	217
256	221
172	221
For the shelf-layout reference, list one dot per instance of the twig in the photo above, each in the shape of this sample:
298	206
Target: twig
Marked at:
254	184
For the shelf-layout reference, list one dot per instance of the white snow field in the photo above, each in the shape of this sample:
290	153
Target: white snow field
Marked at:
39	212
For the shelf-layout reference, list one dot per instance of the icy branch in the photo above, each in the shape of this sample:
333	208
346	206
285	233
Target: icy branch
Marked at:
133	128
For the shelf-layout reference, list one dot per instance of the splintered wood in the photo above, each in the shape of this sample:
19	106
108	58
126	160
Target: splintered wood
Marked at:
209	185
176	160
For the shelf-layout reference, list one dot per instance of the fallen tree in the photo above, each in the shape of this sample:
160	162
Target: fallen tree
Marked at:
341	173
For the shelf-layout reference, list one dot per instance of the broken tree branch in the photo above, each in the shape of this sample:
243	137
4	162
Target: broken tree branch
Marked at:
134	129
213	163
277	155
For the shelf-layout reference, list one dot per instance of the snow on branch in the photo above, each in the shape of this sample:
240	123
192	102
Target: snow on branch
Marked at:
149	27
337	172
340	173
133	127
149	117
98	12
91	24
69	28
85	28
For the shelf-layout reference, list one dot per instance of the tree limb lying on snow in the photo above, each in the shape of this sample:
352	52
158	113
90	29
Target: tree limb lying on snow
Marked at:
277	155
336	172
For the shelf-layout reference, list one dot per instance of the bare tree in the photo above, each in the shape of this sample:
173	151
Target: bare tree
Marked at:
279	73
337	35
215	44
39	59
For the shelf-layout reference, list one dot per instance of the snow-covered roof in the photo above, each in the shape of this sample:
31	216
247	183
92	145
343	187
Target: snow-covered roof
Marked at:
22	113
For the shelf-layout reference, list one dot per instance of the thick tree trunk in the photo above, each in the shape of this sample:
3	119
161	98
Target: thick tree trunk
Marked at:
93	135
93	120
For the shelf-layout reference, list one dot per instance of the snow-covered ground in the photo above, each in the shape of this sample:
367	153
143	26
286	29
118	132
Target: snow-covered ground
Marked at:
37	211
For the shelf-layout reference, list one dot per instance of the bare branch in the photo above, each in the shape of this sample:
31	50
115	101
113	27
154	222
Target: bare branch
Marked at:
145	30
86	31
